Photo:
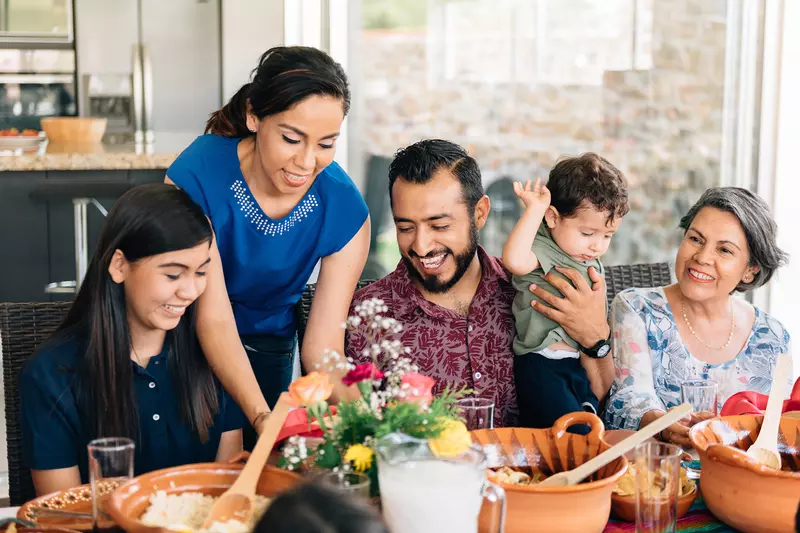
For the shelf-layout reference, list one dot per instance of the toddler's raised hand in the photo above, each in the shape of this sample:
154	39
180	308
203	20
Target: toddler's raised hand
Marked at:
537	195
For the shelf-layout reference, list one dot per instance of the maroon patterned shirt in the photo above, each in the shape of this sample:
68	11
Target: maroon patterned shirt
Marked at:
473	351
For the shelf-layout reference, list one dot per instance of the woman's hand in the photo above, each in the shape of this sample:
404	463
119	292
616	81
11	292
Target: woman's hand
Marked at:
677	433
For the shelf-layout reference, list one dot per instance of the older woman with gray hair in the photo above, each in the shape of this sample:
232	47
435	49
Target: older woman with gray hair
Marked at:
696	328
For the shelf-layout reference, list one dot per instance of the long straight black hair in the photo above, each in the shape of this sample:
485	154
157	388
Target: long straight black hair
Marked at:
147	220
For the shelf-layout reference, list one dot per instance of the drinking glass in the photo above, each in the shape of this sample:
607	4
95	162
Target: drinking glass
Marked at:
702	395
657	481
478	413
110	465
350	482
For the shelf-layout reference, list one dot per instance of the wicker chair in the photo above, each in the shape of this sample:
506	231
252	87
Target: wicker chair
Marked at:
23	327
621	277
303	306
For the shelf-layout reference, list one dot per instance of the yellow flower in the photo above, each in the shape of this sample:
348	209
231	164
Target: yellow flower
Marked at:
360	456
452	441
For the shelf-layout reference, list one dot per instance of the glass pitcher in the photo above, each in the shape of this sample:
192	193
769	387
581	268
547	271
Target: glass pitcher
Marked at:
423	493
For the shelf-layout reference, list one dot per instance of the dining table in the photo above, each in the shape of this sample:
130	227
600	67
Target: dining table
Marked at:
698	519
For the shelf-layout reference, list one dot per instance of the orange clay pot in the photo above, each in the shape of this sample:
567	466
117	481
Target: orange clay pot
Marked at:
582	508
737	489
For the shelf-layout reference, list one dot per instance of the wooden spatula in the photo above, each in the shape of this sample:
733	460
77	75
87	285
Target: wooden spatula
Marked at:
576	475
237	502
765	448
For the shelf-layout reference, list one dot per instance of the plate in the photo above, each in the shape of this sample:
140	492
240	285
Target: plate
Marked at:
20	142
77	499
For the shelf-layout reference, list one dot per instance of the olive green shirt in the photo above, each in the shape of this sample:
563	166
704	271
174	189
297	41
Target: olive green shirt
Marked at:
534	330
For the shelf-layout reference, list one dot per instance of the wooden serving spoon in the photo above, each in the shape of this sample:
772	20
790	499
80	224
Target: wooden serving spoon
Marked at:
765	448
576	475
237	502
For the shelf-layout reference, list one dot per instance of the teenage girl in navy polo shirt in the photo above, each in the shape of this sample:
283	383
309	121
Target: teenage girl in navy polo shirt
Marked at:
265	176
126	361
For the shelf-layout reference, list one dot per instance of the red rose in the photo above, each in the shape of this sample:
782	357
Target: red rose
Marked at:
418	388
362	372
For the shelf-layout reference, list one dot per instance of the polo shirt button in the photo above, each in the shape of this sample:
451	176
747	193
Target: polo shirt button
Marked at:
152	385
470	329
156	418
478	375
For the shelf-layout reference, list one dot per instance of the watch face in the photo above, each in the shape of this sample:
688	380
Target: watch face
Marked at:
603	351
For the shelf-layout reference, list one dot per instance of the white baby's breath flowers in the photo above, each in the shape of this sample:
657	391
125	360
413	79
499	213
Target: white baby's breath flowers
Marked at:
332	361
388	353
295	452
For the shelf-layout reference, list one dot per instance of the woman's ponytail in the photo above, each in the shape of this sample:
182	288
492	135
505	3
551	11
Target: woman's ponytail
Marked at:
231	119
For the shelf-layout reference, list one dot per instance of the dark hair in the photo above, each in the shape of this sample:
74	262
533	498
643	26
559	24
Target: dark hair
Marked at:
590	178
419	162
759	228
285	76
147	220
313	508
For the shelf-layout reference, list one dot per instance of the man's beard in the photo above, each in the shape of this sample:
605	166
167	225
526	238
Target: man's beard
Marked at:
463	260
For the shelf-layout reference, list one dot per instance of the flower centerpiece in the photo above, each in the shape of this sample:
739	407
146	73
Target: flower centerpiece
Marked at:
393	397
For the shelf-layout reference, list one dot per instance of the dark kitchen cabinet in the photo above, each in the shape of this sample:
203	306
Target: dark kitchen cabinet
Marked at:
37	239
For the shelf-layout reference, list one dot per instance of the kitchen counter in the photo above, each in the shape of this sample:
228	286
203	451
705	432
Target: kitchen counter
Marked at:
126	156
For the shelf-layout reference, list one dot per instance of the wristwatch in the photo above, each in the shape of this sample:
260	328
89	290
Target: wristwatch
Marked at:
599	350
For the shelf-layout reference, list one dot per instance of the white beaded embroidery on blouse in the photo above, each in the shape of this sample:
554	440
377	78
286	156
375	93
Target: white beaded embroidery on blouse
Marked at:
251	210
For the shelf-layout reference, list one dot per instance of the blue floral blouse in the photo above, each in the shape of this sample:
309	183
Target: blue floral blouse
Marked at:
651	361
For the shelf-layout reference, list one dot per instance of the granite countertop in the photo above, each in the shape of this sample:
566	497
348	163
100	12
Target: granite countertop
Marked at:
125	156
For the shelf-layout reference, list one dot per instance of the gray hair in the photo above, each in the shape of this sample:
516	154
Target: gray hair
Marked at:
757	222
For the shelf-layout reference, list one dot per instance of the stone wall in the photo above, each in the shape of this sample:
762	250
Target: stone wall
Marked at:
662	125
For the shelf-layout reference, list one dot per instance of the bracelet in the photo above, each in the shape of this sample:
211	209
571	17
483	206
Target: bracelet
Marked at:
259	416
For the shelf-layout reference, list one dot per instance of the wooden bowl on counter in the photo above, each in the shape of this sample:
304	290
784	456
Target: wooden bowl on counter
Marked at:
129	502
74	129
582	508
738	490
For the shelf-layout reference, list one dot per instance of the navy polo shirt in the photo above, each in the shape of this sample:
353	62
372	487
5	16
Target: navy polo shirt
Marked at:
55	434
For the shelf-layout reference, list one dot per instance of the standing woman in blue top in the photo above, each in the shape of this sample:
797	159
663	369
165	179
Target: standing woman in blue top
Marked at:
265	176
126	361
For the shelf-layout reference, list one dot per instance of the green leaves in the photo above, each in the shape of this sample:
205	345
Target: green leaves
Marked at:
327	456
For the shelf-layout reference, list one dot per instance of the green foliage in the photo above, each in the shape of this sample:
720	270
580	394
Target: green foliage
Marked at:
394	14
327	456
356	423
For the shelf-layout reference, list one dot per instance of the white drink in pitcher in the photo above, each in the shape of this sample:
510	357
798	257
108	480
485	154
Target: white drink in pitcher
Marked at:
422	493
431	496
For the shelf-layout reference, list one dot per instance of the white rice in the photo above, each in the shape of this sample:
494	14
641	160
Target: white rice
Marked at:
188	511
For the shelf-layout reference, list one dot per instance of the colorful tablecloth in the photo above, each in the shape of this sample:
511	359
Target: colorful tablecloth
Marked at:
699	518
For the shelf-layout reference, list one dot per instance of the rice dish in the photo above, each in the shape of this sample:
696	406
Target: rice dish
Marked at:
187	512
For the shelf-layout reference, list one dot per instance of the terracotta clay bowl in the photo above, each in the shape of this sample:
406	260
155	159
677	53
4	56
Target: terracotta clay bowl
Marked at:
737	489
582	508
37	529
132	499
76	499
